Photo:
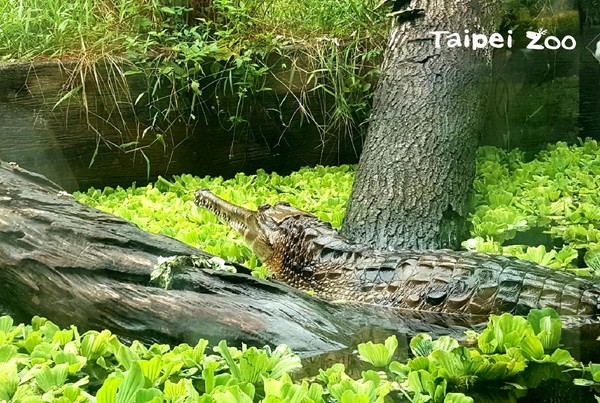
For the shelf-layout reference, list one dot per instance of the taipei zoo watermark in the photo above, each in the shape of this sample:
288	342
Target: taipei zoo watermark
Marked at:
538	40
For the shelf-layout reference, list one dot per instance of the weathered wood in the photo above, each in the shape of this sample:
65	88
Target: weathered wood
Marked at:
77	265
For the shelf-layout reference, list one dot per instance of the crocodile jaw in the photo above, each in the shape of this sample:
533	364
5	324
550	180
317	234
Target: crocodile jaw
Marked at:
244	221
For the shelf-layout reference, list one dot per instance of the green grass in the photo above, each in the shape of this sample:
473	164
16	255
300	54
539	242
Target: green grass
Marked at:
324	54
313	18
41	29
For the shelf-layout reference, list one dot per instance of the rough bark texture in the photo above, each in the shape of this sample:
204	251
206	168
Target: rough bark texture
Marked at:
77	265
417	165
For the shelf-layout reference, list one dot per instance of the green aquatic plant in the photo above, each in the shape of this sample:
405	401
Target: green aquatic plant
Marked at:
557	192
379	355
512	196
39	362
506	349
167	207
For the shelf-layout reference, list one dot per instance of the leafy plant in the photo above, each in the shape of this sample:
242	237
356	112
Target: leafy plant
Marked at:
511	196
509	346
557	192
379	355
167	207
40	362
211	63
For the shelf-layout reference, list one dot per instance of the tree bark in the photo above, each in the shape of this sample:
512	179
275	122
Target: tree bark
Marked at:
416	170
77	265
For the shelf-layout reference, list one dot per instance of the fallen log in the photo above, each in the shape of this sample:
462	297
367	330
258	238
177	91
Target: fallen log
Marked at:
77	265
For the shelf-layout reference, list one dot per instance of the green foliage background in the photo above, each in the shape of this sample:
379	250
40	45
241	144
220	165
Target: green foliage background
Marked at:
42	363
557	193
213	64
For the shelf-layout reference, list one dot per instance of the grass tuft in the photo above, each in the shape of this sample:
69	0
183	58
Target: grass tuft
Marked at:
49	29
207	64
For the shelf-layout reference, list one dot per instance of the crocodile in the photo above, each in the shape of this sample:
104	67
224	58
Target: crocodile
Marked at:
309	254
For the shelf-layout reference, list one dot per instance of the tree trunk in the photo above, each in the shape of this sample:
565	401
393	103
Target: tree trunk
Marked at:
77	265
417	166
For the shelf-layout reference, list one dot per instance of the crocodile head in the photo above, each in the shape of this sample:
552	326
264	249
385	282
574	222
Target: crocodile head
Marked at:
261	229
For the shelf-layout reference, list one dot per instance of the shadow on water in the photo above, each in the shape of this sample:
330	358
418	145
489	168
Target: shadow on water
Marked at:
543	382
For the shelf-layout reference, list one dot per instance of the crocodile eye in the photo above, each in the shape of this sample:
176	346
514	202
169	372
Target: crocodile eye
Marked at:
283	203
264	206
